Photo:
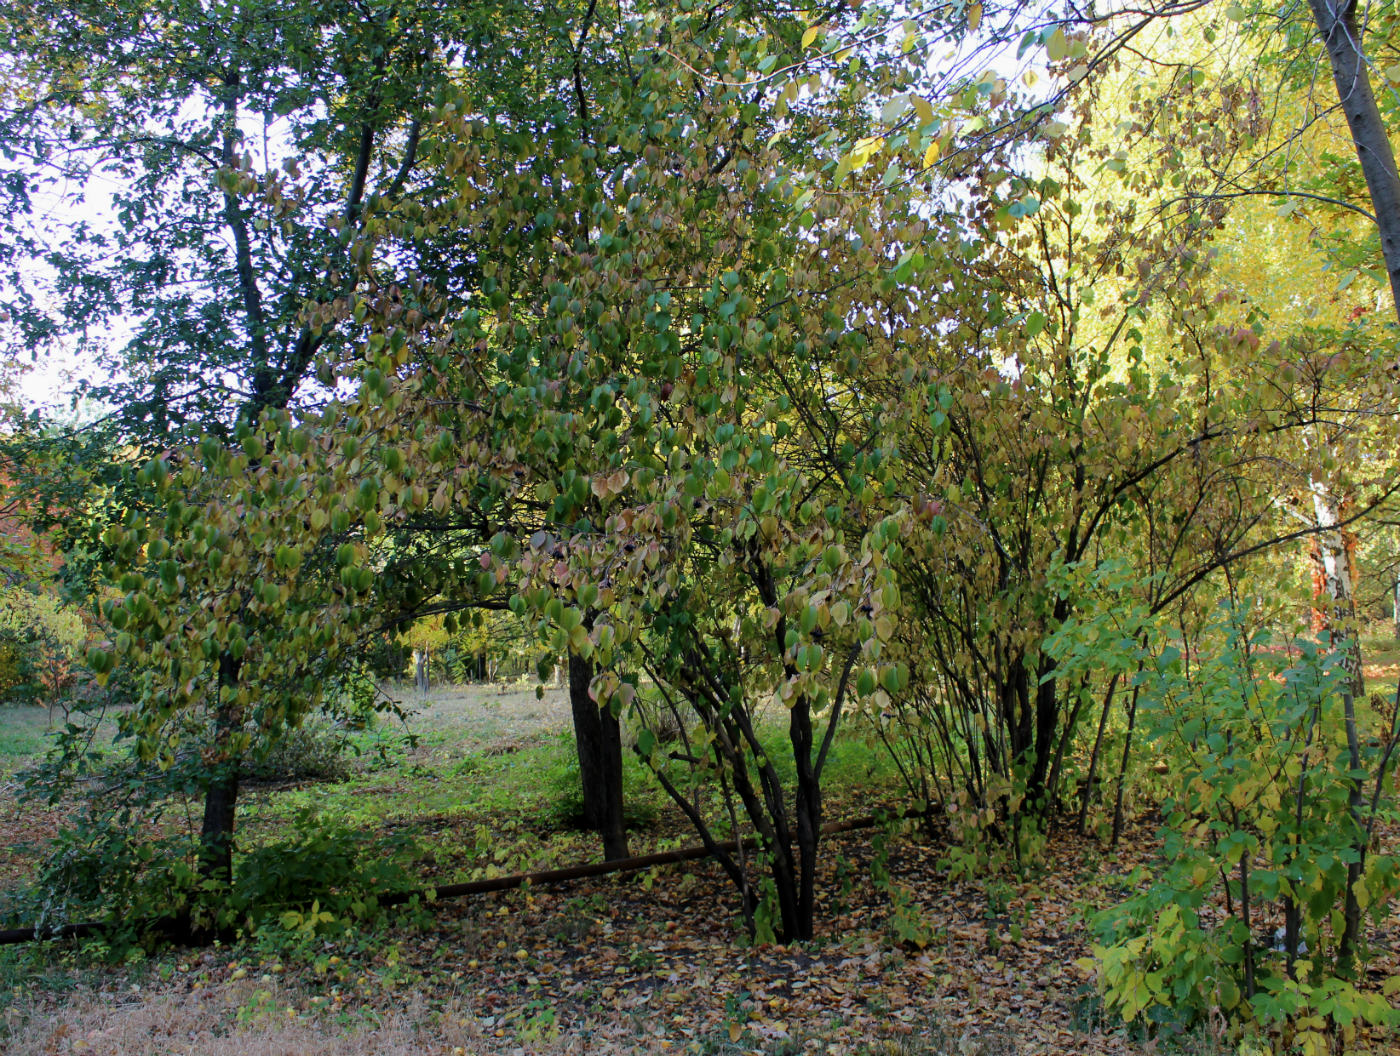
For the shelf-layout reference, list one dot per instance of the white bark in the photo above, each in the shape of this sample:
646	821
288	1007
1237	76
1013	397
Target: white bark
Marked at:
1339	580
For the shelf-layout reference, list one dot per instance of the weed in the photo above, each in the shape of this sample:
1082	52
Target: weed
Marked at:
937	1040
539	1022
998	893
642	960
578	918
908	924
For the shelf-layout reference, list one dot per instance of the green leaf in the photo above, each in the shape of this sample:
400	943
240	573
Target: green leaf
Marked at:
865	682
894	109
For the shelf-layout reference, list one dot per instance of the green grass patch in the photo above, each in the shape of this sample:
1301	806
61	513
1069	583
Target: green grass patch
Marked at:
25	734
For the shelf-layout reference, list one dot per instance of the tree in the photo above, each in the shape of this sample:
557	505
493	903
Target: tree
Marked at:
255	161
1342	28
247	144
239	148
649	355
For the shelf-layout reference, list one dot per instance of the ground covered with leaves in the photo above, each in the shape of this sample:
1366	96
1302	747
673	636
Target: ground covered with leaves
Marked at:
922	949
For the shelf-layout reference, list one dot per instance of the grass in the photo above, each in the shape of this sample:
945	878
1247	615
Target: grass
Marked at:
1380	657
25	732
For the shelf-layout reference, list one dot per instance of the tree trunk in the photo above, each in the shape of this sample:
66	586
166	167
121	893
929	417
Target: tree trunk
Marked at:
1351	912
221	793
1016	713
1338	583
809	816
1341	36
1123	769
599	737
420	670
1092	775
1047	721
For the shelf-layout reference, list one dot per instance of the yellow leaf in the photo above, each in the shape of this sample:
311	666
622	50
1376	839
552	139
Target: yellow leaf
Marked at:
974	17
1057	47
735	1031
931	155
923	108
809	35
864	150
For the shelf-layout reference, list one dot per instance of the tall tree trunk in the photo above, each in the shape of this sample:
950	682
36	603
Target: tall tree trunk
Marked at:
1123	768
1047	721
598	734
1341	36
1351	913
809	815
1340	586
1092	775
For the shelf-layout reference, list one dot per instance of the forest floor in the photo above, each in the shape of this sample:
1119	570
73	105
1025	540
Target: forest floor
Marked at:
931	961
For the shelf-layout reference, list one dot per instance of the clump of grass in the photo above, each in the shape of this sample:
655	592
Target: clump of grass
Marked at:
317	750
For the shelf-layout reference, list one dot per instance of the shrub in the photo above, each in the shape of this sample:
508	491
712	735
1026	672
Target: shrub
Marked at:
1267	832
314	751
40	643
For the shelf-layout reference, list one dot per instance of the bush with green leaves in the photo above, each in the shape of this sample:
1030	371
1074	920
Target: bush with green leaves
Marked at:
1274	792
136	875
122	869
324	861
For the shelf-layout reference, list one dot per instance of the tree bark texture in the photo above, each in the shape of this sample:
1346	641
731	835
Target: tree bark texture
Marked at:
1337	562
420	670
598	734
1341	36
221	794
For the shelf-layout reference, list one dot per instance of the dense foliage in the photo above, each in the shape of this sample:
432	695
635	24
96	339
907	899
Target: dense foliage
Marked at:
776	380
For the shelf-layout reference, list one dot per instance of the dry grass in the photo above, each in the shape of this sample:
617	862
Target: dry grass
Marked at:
482	717
251	1018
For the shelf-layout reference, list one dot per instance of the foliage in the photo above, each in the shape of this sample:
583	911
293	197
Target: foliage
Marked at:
137	886
316	750
1097	398
324	862
772	375
41	642
238	149
96	870
1261	826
